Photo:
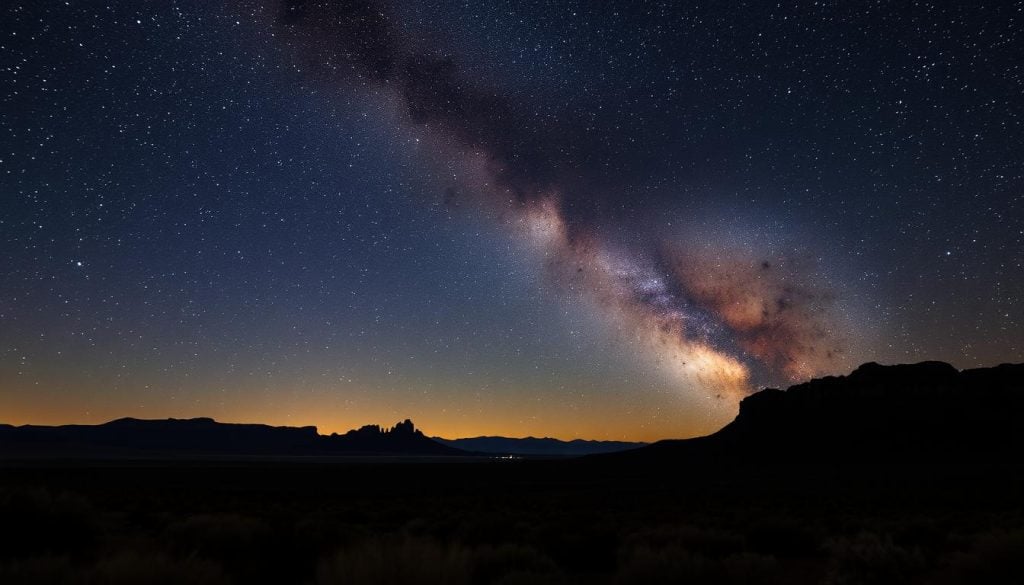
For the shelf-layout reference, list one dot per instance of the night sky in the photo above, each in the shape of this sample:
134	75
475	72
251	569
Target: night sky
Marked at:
574	219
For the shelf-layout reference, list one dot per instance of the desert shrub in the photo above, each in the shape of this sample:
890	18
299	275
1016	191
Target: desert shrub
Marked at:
42	571
412	559
156	569
926	534
869	558
995	557
39	523
578	547
219	536
527	578
486	528
784	537
710	542
396	561
678	565
511	564
322	532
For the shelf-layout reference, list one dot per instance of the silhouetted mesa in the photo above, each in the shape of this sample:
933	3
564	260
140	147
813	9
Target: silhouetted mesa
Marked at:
129	436
533	446
927	412
403	438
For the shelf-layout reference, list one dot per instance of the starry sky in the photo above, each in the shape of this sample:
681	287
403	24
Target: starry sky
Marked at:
603	220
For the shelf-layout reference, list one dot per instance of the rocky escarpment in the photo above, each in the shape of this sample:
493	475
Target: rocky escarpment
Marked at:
402	438
925	411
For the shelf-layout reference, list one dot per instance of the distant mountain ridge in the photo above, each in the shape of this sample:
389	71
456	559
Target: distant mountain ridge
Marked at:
535	446
928	411
130	436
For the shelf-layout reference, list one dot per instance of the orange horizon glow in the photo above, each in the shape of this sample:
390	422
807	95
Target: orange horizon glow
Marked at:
456	431
448	426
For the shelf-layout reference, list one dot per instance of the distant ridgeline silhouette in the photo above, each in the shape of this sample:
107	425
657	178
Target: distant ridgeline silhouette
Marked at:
534	446
129	436
921	412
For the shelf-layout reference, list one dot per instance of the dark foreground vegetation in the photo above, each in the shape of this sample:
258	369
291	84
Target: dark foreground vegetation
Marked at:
508	522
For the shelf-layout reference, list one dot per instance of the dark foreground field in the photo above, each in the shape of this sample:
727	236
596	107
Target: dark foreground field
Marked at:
507	522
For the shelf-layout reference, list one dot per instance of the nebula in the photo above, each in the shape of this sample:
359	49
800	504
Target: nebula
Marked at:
705	316
776	315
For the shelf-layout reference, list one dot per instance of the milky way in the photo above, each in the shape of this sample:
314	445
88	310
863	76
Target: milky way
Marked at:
670	295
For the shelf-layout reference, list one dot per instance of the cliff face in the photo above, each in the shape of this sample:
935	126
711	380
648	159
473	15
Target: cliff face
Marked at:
926	411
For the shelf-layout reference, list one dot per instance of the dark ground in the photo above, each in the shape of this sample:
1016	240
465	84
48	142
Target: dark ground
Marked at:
482	521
